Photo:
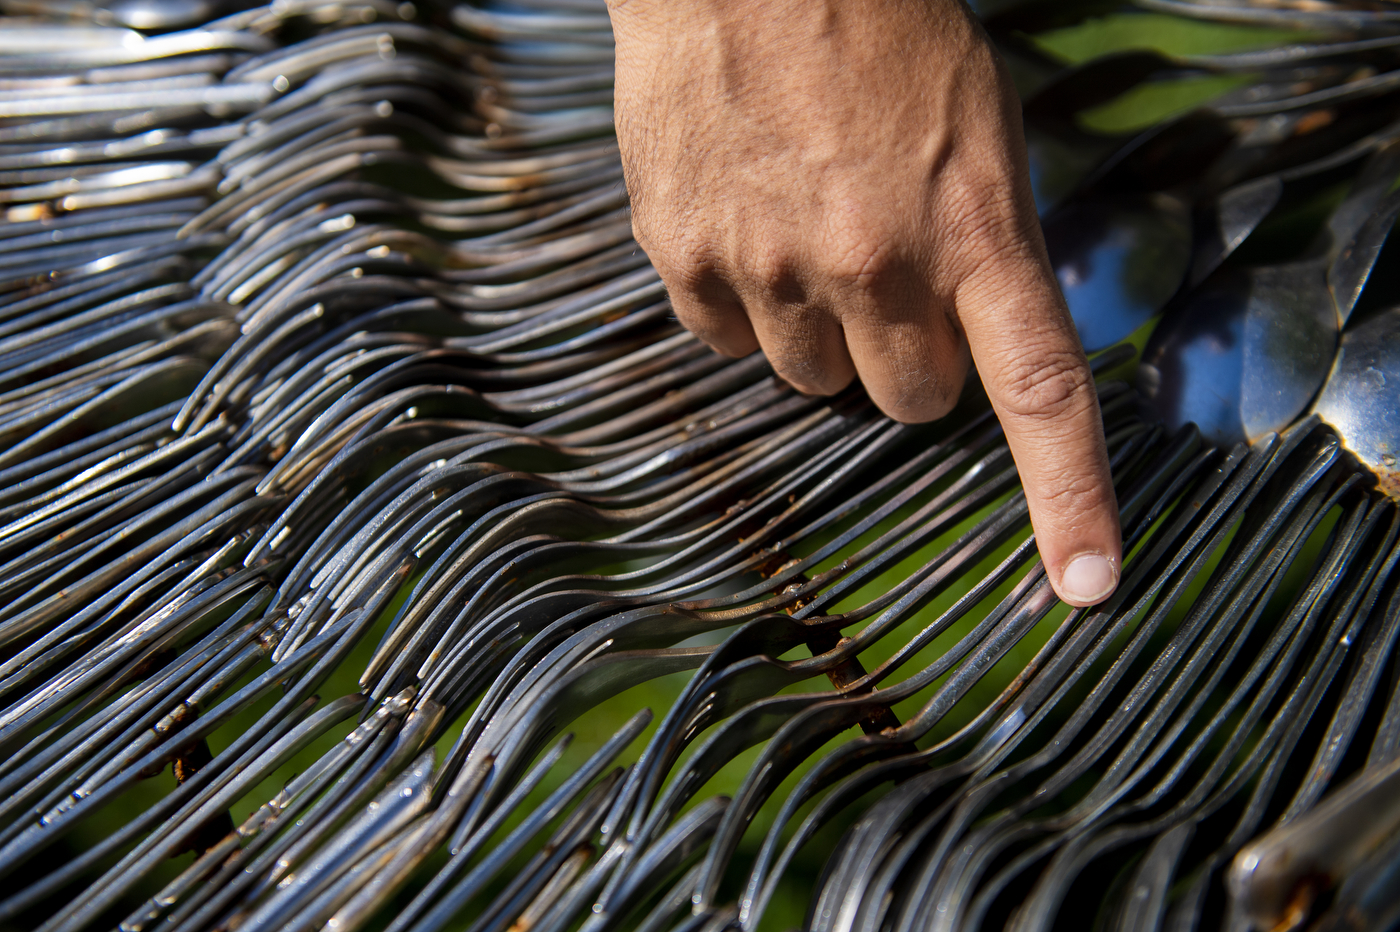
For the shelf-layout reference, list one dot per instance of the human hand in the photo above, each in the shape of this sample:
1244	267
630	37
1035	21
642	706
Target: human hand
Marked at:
844	185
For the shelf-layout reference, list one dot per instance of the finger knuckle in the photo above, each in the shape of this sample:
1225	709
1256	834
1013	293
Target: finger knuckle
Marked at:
807	374
1075	504
711	330
860	258
1048	387
995	254
686	261
771	271
694	252
916	393
930	406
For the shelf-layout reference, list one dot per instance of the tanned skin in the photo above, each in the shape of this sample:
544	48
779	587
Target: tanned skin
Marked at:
843	184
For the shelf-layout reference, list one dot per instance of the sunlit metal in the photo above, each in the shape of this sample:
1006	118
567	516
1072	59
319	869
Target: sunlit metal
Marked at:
328	365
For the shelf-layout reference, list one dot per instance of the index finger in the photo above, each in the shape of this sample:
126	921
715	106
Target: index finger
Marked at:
1035	372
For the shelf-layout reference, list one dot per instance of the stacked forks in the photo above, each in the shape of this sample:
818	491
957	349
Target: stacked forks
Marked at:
326	351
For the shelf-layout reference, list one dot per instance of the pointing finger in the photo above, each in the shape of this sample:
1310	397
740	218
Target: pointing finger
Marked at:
1042	389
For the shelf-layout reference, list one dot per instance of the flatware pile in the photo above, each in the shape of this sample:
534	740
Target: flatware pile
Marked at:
326	351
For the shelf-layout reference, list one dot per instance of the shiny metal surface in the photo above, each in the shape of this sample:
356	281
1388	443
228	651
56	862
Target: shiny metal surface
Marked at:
1274	880
1245	353
1118	263
1358	400
350	459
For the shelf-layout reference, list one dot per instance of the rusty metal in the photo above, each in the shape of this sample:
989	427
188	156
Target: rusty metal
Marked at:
325	349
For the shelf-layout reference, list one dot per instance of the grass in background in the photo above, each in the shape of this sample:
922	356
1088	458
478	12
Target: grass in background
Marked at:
1158	32
1150	103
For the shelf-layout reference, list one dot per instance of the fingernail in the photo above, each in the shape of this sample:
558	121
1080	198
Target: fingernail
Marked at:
1088	578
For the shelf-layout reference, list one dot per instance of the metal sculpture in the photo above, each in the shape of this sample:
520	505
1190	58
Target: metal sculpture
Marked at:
324	344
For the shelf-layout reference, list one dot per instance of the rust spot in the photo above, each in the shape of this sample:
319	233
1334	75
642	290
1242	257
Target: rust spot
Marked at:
798	602
190	761
1306	890
1314	121
778	561
775	563
876	721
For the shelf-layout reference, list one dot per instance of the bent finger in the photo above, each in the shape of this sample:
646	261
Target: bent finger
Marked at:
799	333
705	305
910	357
805	346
